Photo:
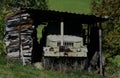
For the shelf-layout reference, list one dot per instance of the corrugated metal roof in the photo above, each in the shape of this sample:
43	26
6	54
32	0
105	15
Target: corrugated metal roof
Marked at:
51	15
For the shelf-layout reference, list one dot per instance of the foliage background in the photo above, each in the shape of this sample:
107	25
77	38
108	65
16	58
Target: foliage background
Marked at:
110	9
111	33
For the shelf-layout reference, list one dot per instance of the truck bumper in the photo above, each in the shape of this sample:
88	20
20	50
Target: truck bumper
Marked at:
65	54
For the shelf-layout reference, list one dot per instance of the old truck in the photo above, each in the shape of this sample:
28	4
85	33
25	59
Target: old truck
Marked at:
67	50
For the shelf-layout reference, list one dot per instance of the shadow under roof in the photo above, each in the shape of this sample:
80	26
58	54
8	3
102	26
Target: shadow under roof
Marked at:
39	16
51	16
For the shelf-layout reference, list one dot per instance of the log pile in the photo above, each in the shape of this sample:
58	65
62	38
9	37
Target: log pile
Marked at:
18	36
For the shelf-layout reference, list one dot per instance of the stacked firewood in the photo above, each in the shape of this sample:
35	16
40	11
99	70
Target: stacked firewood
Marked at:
18	36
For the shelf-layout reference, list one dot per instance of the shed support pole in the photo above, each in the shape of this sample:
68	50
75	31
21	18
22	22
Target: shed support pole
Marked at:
100	50
62	32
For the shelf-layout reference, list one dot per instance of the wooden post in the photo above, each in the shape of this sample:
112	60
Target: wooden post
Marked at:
20	45
20	39
100	49
62	32
88	33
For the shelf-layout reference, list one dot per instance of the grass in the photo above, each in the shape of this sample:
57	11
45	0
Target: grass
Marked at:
39	32
74	6
14	69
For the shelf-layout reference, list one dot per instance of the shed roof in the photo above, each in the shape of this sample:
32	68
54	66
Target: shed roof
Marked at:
56	16
39	16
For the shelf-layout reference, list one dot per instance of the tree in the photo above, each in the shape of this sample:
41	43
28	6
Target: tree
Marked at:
109	8
37	4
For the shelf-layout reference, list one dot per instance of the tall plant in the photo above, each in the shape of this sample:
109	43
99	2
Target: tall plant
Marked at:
111	9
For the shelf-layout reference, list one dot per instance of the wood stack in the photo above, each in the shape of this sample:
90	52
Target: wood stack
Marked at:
18	36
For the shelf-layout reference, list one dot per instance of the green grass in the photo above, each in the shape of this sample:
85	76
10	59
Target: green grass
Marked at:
74	6
39	32
14	69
